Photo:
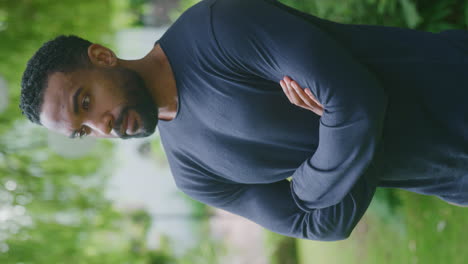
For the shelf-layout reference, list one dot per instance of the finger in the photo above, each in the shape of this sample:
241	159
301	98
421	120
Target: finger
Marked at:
291	95
309	93
310	105
285	89
294	98
305	100
316	107
304	97
287	79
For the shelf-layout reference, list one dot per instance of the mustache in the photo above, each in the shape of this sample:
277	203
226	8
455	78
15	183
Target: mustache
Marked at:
118	123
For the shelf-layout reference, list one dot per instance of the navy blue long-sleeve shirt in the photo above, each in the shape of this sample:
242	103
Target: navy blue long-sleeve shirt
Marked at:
236	137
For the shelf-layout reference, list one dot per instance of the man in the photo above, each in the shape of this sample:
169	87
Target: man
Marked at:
224	84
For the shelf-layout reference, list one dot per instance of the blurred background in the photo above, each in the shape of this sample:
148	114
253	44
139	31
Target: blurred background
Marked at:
103	201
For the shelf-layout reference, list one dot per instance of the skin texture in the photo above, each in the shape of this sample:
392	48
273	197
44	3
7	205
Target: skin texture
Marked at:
117	98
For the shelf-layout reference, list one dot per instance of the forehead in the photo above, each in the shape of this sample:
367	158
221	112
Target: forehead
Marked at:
55	112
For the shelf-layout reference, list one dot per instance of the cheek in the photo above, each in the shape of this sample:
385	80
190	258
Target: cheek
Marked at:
107	88
106	97
117	88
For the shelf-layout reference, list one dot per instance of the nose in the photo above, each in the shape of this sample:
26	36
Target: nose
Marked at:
102	126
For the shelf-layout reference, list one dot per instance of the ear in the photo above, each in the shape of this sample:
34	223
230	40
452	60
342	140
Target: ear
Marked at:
101	56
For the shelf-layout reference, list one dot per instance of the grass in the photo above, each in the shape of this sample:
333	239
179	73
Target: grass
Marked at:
423	230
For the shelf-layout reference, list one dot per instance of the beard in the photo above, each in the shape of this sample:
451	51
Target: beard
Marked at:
139	99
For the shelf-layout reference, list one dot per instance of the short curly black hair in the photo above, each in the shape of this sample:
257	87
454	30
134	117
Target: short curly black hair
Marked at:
62	54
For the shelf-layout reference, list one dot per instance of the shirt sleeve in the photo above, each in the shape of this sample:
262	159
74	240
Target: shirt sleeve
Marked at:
273	207
266	39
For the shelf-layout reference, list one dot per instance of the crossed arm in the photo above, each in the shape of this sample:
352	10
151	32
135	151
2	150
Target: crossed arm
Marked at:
331	190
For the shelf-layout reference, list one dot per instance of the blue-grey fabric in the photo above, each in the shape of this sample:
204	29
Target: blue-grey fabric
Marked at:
390	117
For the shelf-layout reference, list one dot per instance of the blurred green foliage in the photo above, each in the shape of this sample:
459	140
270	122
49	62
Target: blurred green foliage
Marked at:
53	208
428	15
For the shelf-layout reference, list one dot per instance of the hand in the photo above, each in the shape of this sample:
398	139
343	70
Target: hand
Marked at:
300	97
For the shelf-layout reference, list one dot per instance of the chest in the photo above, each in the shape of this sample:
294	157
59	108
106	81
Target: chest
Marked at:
245	130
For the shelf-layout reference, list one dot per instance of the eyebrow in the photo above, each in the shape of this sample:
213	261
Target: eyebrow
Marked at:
75	100
75	107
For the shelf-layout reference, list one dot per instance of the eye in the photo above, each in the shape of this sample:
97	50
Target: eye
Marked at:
82	132
85	102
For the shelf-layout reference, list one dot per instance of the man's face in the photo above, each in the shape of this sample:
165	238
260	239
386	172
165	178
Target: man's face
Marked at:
99	102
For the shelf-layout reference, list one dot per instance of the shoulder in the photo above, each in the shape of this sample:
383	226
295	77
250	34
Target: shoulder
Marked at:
199	21
245	8
247	18
241	9
248	4
190	38
192	22
195	14
209	10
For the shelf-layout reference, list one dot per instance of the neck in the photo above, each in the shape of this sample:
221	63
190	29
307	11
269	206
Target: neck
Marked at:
157	74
